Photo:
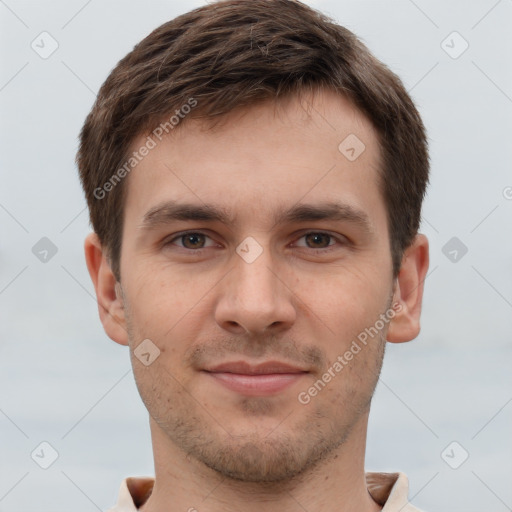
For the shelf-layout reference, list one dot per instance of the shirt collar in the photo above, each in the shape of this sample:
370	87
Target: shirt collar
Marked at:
389	490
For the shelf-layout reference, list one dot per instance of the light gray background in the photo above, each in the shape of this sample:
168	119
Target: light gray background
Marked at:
63	381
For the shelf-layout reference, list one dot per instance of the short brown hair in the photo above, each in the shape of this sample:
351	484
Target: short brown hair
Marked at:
232	54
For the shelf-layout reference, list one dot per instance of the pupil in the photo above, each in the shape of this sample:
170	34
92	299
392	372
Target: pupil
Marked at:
192	239
317	238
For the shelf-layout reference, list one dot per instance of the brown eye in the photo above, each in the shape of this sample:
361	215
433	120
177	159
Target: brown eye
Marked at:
193	240
318	240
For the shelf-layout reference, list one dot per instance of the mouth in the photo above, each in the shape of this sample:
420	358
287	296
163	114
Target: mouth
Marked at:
263	379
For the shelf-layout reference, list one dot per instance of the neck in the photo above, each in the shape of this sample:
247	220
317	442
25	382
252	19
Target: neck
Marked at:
336	483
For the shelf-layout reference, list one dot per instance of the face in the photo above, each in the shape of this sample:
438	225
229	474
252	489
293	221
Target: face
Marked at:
254	256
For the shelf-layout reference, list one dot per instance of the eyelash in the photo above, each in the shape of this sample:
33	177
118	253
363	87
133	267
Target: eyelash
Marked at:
324	250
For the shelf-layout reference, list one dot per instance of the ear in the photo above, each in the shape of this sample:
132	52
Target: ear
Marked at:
408	294
110	303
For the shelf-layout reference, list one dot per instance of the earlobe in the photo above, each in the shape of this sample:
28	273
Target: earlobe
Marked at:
408	295
108	293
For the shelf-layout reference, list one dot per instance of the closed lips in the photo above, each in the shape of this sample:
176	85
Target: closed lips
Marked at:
244	368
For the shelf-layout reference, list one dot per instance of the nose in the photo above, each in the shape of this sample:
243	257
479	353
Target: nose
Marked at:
254	298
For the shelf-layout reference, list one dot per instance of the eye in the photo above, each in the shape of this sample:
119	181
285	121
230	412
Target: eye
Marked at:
319	240
191	240
195	241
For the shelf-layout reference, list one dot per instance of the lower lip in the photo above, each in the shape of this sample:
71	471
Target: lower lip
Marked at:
256	385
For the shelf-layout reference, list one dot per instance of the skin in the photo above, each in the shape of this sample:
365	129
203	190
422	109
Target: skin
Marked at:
216	449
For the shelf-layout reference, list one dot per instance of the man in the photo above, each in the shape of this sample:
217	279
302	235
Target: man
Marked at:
254	178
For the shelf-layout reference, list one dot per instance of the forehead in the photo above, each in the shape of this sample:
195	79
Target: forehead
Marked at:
261	159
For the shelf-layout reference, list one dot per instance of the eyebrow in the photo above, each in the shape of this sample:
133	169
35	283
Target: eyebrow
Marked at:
171	211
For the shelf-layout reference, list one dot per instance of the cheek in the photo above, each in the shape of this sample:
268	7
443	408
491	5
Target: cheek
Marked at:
349	305
171	312
160	392
345	300
161	297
